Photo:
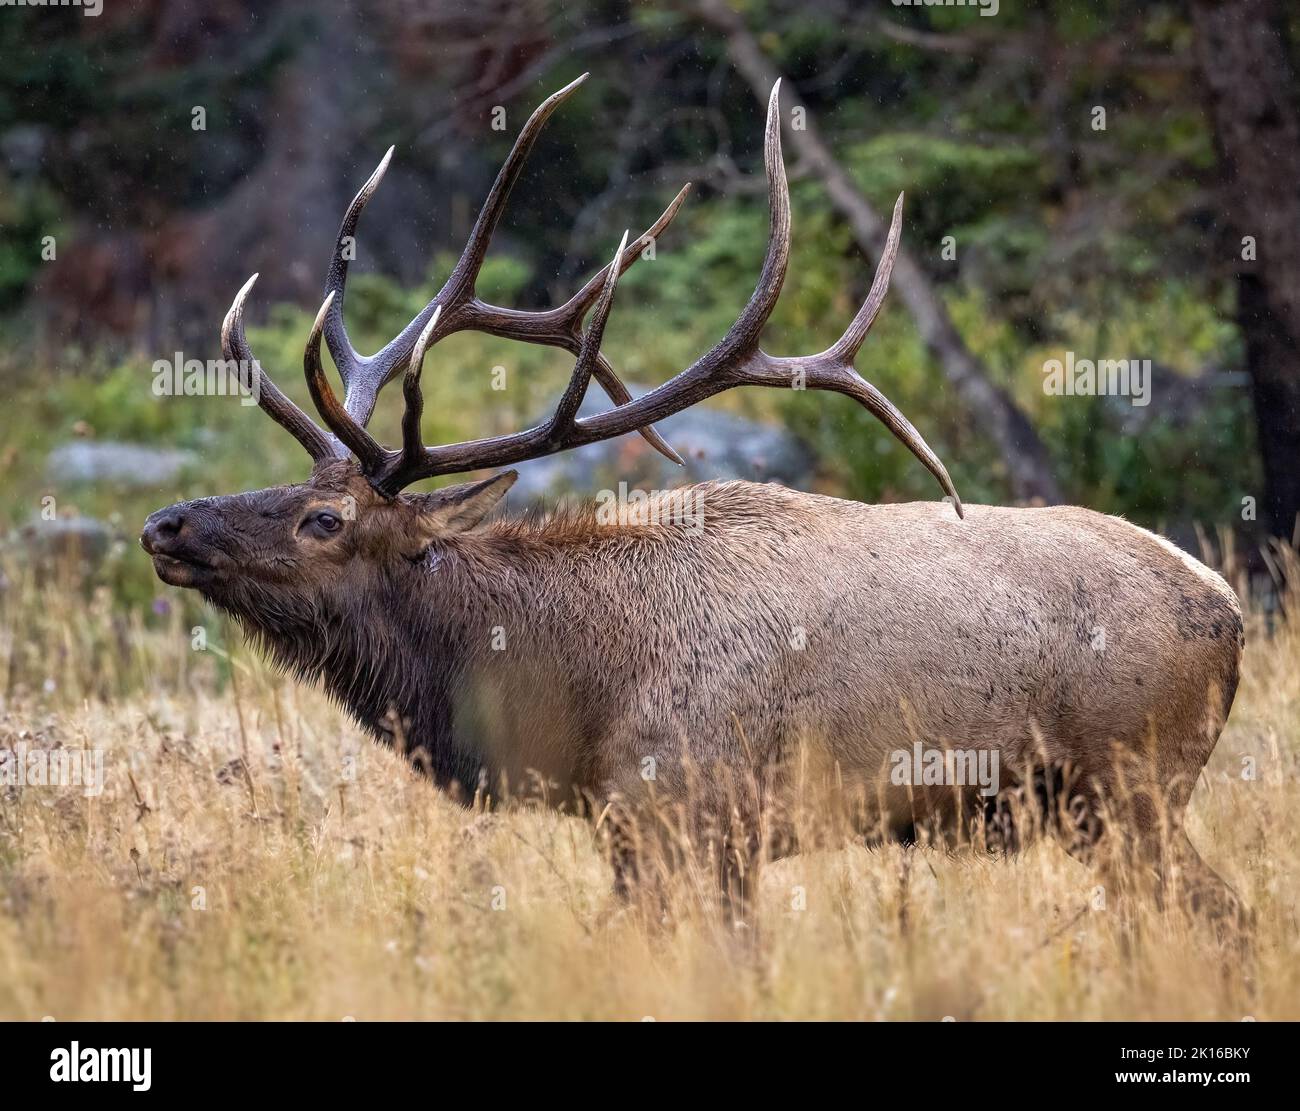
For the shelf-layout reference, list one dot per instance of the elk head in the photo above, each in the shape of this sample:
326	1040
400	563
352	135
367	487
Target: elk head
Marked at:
293	555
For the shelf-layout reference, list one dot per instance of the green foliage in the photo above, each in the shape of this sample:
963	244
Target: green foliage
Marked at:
28	213
1066	239
949	184
1141	476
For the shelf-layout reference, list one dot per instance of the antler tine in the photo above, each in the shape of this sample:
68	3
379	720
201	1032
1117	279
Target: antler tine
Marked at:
412	442
575	308
567	410
562	326
736	360
365	375
406	469
855	386
460	284
366	448
847	346
235	348
345	356
833	369
743	335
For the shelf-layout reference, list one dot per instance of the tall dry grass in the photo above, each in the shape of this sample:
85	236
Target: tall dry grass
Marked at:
253	857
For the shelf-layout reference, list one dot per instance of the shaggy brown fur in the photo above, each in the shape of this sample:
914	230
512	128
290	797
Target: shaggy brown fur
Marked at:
784	637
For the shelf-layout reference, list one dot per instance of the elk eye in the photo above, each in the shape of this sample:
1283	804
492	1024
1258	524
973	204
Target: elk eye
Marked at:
325	522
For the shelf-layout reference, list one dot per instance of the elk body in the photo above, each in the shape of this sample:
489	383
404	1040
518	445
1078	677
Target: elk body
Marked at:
741	641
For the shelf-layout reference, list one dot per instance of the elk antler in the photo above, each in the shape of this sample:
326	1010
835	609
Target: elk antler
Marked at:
736	360
456	305
460	310
235	349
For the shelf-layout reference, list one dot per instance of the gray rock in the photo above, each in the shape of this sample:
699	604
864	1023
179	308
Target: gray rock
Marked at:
22	148
120	464
714	444
80	543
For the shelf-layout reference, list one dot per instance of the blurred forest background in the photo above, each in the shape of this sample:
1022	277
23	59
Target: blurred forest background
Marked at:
1111	180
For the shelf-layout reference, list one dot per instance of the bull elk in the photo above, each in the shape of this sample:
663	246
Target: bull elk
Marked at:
572	652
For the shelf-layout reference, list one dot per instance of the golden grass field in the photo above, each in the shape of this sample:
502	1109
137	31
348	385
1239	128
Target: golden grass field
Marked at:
252	856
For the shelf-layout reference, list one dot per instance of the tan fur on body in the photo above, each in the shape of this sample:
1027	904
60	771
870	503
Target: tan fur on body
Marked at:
1059	637
558	656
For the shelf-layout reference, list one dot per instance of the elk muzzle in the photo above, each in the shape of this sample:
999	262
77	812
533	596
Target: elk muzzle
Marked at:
175	539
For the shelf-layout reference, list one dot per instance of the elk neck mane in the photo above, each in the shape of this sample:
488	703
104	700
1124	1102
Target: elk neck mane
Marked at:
396	654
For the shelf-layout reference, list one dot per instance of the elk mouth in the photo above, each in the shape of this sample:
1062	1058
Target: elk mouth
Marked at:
177	570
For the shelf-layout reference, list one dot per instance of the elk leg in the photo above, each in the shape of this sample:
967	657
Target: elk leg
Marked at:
639	865
1185	879
738	872
1134	850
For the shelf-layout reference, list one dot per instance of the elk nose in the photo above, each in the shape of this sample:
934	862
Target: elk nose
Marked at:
161	529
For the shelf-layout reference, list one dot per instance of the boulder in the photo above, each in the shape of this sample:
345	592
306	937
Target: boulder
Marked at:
713	443
118	464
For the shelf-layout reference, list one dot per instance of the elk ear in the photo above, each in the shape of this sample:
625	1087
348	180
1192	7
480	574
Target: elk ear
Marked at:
459	508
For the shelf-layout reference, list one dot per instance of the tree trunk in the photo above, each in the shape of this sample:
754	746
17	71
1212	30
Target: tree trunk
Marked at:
1249	84
1028	468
